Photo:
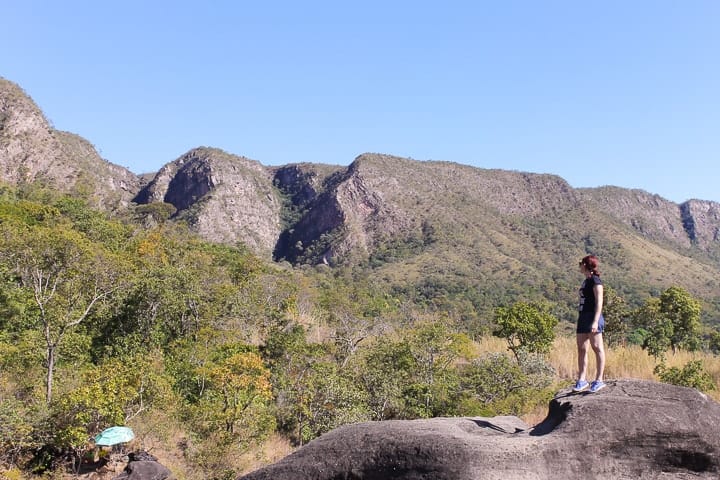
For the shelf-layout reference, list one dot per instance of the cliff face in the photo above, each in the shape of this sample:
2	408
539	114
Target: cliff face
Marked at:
224	198
345	220
383	209
701	220
630	430
31	150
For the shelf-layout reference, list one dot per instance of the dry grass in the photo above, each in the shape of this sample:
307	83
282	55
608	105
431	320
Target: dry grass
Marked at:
621	362
272	450
627	362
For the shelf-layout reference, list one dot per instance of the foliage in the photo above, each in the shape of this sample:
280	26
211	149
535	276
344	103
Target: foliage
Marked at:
237	394
693	375
384	372
683	311
313	395
157	212
66	276
714	342
672	321
434	349
617	314
153	322
16	430
527	327
496	384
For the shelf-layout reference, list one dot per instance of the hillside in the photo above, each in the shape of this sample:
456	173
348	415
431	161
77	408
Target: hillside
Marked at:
430	230
231	312
32	151
225	198
435	229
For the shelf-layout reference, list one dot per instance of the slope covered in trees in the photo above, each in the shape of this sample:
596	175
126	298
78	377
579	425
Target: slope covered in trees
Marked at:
103	322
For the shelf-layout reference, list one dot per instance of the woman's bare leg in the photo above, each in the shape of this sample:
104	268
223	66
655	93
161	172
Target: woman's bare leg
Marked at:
583	340
596	341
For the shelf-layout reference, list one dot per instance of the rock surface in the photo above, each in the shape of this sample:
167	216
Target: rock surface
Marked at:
630	430
32	150
143	466
225	198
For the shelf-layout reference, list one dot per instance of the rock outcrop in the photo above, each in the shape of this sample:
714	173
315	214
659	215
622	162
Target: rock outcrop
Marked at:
32	150
143	466
650	215
347	219
630	430
224	198
702	221
401	216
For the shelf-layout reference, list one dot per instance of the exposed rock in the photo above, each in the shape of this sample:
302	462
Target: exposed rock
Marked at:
143	466
651	215
347	219
702	221
303	182
632	429
31	150
224	198
401	216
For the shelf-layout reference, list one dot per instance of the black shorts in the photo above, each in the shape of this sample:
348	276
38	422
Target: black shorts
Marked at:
585	321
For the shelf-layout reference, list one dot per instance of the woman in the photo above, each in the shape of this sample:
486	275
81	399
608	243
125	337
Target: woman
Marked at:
590	325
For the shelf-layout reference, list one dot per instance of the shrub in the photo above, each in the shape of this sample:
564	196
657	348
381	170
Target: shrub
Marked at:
693	375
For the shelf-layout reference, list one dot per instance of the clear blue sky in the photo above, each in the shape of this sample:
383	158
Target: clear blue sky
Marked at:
622	93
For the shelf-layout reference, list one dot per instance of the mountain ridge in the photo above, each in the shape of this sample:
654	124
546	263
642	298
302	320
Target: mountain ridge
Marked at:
31	151
423	223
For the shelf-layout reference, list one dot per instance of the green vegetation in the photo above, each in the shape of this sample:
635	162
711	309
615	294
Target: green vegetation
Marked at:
208	347
671	321
693	374
528	328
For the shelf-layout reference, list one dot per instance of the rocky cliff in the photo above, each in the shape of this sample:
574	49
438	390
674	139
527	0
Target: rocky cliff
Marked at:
223	197
630	430
31	150
383	209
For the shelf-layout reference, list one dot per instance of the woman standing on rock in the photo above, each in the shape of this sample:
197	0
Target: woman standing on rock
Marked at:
590	325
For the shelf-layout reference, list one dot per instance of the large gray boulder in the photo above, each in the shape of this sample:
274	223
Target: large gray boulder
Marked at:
143	466
632	429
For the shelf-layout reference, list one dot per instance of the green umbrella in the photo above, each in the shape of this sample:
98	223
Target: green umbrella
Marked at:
114	435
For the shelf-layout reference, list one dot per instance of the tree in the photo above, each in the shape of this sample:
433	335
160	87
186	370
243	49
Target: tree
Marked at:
656	329
111	393
67	277
384	373
714	342
616	313
672	322
313	396
527	327
683	312
693	375
238	394
434	348
496	384
17	431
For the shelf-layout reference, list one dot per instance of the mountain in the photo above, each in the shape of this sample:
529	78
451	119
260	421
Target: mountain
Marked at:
32	151
427	229
225	198
450	226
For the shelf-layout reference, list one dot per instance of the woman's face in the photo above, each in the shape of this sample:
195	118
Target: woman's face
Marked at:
583	268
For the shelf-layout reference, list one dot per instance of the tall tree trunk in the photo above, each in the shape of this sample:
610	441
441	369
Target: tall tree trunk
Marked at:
49	374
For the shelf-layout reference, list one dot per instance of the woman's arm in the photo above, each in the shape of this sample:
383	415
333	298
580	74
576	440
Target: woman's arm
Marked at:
598	291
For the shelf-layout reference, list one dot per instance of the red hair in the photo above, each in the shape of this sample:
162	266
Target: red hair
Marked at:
591	262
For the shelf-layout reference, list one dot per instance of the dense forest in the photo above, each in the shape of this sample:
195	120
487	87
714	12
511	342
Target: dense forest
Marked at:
213	351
